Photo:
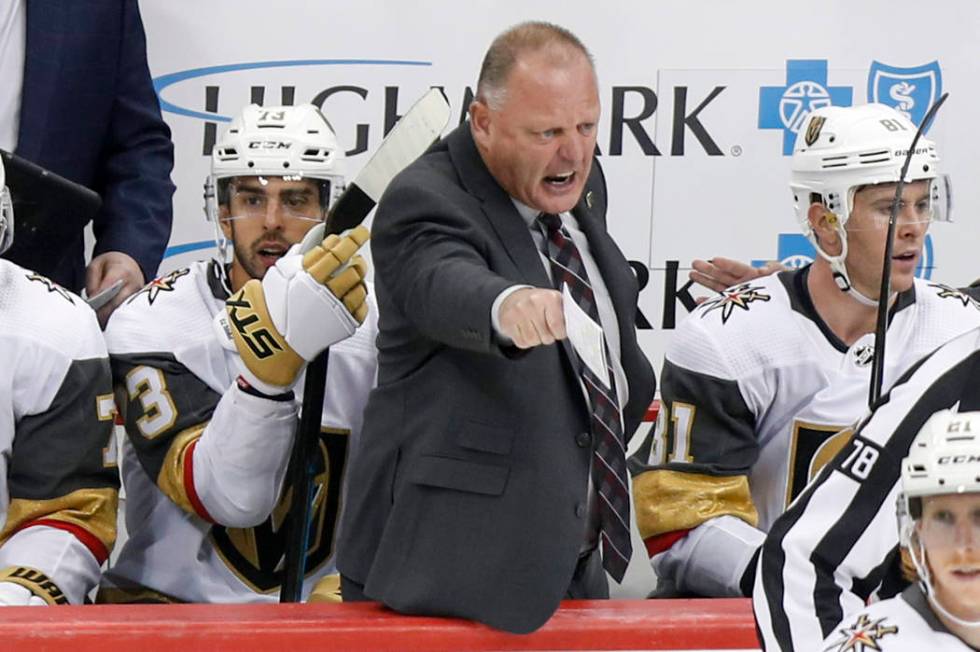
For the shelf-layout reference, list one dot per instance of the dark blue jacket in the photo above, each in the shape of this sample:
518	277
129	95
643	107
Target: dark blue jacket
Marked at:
89	113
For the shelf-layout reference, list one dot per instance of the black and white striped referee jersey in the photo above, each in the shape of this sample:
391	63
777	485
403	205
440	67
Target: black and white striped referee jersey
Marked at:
836	547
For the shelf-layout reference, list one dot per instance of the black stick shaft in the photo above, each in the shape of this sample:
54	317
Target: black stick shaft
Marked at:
881	324
300	479
350	209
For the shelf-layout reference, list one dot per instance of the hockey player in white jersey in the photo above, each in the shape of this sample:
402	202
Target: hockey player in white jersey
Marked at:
762	383
211	361
939	531
58	482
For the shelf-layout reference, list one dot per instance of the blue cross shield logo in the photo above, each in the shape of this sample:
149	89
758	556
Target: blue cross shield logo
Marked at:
910	91
786	107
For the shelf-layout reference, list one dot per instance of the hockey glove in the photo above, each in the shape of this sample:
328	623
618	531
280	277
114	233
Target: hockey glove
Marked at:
21	586
313	297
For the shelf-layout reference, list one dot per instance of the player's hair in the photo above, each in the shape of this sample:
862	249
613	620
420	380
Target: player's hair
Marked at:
532	36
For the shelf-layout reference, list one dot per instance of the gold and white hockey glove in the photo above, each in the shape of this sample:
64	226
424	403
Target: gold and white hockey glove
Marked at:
314	296
21	586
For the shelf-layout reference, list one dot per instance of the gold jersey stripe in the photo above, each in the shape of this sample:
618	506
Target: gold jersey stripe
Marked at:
668	501
170	480
91	510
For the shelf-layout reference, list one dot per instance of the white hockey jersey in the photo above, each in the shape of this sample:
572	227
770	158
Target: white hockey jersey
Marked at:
58	482
757	394
204	462
904	623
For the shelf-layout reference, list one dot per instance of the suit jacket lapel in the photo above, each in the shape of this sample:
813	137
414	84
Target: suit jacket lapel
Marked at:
42	67
497	206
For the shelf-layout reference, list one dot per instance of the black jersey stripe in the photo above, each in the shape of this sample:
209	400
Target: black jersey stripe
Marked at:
60	450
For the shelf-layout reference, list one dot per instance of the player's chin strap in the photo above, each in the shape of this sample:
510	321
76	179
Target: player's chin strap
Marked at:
211	213
839	269
917	552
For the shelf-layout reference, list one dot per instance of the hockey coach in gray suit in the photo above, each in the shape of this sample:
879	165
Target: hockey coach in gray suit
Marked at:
490	473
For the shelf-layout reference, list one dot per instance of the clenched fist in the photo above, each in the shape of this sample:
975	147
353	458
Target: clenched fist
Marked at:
532	317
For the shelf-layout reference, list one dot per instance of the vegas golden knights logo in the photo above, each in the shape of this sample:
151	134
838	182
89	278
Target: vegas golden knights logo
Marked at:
739	296
51	286
812	446
256	555
153	289
813	129
864	634
946	292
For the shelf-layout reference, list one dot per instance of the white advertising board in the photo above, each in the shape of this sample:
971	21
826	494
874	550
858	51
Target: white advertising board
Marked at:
699	102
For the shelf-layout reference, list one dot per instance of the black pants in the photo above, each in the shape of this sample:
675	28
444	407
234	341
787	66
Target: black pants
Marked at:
351	591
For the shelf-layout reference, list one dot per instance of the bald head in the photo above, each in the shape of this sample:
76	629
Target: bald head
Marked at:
556	44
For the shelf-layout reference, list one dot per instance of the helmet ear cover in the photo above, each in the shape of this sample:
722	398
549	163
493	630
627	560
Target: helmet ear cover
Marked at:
915	508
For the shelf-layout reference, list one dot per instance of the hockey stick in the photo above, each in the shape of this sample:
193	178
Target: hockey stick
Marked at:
47	207
881	325
413	134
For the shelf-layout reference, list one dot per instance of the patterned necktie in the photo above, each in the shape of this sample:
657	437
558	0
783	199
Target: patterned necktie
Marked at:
609	450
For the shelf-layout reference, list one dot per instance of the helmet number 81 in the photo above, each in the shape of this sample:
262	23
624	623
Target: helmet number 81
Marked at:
893	125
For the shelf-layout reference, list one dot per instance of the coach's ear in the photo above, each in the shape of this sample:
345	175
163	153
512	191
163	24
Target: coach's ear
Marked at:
825	224
481	123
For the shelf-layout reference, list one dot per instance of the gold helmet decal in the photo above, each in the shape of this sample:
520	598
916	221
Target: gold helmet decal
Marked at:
813	129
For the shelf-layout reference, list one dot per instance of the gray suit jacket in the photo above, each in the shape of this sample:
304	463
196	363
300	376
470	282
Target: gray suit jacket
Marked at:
467	492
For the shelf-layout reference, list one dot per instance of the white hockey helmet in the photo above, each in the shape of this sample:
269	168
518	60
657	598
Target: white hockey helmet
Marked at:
944	459
841	149
6	212
275	141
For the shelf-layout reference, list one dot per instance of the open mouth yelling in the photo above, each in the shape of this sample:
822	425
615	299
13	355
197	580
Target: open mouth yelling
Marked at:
560	181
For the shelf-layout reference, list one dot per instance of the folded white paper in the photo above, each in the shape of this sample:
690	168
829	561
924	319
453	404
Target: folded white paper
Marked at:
585	336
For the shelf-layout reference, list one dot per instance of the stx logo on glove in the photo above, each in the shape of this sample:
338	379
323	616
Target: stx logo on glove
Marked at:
261	341
313	297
